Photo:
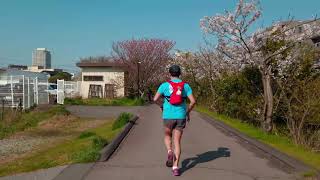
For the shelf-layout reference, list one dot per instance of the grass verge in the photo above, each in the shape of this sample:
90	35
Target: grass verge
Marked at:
281	143
83	148
122	120
19	121
105	102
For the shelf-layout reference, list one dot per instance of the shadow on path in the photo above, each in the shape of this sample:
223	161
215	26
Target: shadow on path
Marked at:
204	157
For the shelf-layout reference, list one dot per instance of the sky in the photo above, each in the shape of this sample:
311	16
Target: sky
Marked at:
72	29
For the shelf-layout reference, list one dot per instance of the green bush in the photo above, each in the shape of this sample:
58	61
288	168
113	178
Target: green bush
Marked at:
61	75
90	153
98	142
122	120
238	95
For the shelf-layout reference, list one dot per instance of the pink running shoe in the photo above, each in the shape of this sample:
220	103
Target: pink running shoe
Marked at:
176	172
170	159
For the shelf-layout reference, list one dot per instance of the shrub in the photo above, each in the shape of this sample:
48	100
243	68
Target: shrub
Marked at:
90	153
122	120
98	142
238	95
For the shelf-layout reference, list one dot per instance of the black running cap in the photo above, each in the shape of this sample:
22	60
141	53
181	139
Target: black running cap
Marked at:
175	69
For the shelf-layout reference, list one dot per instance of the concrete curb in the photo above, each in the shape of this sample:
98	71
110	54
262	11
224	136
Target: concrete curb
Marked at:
79	171
295	165
108	150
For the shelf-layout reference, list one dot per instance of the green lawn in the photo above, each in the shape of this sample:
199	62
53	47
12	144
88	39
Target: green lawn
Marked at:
281	143
83	148
105	102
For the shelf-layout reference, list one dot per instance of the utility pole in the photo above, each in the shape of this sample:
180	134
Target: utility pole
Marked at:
138	80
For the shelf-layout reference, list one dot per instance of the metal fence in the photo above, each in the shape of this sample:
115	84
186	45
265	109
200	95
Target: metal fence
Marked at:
72	88
23	92
67	89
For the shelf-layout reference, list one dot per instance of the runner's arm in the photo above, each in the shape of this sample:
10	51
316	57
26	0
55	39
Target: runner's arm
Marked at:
157	101
156	97
192	103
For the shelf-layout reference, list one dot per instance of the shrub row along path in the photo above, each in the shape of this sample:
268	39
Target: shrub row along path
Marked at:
208	153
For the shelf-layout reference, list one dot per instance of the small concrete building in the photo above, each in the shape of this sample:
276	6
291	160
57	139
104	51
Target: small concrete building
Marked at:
102	79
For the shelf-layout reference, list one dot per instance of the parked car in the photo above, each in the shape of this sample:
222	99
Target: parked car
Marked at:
52	89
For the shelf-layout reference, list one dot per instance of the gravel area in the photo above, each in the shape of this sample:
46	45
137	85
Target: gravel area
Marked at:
18	146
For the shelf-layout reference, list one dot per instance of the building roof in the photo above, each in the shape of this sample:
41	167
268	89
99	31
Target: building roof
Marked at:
98	62
16	72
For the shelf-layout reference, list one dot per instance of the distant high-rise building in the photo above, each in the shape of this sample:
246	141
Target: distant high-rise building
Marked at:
41	57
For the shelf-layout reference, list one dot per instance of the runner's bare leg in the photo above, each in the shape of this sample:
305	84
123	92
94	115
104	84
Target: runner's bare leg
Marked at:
167	138
177	134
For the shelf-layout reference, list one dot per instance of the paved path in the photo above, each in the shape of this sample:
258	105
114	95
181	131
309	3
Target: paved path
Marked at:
42	174
207	153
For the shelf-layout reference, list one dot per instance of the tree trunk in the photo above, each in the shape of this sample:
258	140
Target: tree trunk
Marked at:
268	100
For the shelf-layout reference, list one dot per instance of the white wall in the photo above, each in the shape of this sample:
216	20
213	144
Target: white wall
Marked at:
110	76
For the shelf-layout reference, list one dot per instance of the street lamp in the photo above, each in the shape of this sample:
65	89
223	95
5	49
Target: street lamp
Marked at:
138	80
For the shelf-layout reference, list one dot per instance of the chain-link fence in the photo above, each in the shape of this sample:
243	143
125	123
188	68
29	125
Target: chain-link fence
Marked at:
23	92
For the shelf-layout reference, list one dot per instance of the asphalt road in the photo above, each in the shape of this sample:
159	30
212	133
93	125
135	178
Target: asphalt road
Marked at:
207	153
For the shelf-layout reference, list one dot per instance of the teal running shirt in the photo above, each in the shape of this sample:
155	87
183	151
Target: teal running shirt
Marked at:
174	111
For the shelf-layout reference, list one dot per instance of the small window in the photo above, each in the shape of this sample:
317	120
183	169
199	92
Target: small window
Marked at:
317	44
93	78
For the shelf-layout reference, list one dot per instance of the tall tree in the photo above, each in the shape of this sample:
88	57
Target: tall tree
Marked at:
201	69
147	57
261	49
61	75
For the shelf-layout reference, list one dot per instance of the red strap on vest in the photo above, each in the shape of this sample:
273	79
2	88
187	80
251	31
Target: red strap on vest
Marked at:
176	84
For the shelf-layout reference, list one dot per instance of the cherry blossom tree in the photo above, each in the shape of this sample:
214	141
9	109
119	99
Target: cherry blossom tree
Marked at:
201	69
267	49
151	56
